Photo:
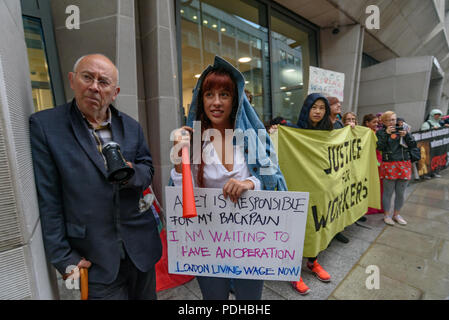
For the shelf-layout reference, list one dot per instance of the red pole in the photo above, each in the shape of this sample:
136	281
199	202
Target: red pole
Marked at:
188	198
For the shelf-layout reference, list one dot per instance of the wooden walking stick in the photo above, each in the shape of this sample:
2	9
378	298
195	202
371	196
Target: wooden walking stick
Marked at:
84	280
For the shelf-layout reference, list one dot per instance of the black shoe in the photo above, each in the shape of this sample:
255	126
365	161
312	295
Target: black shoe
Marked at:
362	219
340	237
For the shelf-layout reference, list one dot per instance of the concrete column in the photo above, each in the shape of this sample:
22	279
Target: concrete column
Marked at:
435	93
160	74
342	52
400	85
444	105
140	74
445	97
24	271
107	27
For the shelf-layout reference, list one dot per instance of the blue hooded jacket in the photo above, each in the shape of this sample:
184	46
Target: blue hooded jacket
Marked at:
262	164
303	121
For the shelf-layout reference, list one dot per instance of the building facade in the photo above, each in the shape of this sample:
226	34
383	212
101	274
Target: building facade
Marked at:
161	46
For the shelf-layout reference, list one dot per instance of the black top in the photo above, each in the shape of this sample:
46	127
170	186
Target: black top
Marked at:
391	148
338	124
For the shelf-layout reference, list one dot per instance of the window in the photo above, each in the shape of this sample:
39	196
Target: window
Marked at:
46	81
274	62
37	59
290	69
368	61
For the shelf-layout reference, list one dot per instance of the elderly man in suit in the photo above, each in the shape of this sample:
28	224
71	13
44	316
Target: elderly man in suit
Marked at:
86	220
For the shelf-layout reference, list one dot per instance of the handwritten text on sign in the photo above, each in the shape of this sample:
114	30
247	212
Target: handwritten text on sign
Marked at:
328	83
260	237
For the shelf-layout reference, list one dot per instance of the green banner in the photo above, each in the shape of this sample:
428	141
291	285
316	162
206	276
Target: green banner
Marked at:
339	170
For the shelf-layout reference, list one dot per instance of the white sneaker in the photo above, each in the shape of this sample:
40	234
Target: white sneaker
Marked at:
400	220
436	175
388	220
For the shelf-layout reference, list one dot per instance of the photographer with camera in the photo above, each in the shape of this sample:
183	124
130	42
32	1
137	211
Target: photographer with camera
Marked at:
396	167
91	165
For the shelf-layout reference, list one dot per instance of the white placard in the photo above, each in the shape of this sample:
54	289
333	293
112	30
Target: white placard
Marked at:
260	237
327	82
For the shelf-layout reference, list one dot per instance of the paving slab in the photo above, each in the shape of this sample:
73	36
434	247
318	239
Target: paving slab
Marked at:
424	274
269	294
64	293
410	242
358	247
375	224
437	192
425	212
179	293
389	289
427	227
437	203
443	252
431	296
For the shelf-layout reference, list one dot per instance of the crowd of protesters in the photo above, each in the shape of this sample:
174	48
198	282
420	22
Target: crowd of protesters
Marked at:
394	140
122	262
394	161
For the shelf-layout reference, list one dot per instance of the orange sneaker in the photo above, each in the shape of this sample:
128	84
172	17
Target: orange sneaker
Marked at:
301	287
319	272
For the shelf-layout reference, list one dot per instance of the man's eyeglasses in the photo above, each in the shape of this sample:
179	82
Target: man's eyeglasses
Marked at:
88	79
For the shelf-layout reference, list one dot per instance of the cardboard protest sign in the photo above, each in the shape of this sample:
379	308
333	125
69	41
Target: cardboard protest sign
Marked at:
328	83
260	237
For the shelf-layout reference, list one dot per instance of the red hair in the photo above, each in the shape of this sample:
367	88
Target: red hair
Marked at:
218	80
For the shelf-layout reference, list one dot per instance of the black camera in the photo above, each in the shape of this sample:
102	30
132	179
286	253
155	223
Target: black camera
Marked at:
118	169
399	128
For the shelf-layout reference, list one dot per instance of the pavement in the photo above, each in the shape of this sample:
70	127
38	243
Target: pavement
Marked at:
380	262
412	261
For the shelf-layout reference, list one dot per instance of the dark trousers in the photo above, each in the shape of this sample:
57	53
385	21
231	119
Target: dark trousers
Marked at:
131	284
218	288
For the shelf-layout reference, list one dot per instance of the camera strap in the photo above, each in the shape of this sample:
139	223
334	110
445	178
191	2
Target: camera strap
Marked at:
116	211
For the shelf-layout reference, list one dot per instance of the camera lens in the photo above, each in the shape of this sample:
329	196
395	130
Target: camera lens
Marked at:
118	170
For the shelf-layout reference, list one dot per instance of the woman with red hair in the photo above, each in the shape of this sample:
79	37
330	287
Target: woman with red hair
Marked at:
219	104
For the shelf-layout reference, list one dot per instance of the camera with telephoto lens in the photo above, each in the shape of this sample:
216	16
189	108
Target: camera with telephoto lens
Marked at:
399	128
118	169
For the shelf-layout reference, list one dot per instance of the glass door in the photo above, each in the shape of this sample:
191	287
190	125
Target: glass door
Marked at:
235	30
37	59
291	61
45	76
272	47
